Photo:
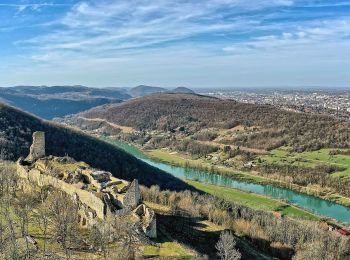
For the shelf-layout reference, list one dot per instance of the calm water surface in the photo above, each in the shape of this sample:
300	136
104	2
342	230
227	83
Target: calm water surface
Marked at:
316	205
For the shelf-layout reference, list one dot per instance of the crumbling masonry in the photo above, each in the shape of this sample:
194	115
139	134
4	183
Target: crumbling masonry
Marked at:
37	149
97	193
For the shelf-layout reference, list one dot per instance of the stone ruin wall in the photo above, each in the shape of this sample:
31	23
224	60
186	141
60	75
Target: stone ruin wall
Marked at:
90	206
150	228
149	220
133	196
87	198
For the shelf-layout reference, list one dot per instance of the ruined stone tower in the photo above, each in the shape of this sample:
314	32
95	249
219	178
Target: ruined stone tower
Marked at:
133	196
37	149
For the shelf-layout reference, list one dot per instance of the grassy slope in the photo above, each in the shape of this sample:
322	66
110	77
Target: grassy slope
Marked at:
253	200
168	249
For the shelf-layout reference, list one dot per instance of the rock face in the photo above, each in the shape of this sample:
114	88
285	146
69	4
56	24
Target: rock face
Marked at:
37	149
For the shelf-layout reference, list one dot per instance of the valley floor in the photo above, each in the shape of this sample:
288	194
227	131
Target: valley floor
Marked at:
242	197
277	156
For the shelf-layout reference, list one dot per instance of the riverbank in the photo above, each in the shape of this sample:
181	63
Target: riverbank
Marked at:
254	201
176	159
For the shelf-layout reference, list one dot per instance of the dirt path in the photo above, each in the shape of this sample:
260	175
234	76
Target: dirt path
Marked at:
125	129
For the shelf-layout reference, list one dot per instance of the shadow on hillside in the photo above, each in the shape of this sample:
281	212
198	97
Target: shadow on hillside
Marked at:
189	231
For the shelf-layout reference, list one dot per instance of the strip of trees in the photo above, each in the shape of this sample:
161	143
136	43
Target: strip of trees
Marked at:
284	238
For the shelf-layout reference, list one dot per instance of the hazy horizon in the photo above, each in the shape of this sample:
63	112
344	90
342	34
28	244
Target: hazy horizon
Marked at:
291	88
175	43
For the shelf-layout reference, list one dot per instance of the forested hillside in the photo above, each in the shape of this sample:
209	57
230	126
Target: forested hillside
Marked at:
143	90
16	130
58	101
272	127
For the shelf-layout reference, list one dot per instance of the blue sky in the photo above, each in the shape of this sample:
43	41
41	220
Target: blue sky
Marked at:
194	43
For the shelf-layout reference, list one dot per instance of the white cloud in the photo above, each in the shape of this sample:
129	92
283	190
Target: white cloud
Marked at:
184	42
106	27
32	6
314	34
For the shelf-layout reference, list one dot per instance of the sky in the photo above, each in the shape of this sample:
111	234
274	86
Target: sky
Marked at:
193	43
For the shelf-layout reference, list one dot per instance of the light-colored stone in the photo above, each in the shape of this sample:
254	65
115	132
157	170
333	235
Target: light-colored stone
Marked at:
37	149
132	197
95	192
148	218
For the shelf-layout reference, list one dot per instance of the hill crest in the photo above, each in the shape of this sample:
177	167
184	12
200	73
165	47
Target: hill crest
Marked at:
166	112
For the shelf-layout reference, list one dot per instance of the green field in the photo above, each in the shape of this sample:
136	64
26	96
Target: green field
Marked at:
173	158
310	159
168	249
253	200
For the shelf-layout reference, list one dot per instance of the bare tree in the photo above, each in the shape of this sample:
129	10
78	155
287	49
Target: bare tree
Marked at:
8	179
23	209
42	216
65	219
102	234
8	184
9	238
226	247
127	234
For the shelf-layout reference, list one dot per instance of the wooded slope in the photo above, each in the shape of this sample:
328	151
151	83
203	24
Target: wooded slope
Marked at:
168	112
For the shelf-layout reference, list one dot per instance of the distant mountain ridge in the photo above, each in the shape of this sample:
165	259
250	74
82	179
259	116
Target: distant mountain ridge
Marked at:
58	101
144	90
182	90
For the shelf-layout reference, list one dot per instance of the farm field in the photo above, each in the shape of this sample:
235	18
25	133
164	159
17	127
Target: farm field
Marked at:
310	159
